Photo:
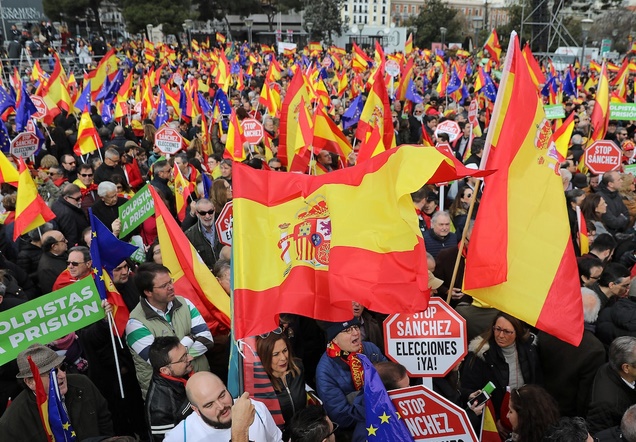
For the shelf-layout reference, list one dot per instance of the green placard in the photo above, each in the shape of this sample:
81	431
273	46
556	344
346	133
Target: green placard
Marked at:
49	317
623	111
554	111
136	211
630	168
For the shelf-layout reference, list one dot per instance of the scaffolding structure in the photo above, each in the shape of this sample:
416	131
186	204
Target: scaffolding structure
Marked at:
546	22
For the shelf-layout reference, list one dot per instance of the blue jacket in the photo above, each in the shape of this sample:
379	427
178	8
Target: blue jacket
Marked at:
334	384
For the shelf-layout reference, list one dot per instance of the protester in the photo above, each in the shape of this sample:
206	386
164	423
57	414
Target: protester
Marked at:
532	411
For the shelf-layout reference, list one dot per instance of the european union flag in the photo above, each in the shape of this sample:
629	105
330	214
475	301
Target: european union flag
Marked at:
24	110
110	92
382	421
568	85
305	60
206	108
469	68
489	89
183	102
207	185
162	111
454	83
104	90
235	69
6	100
107	252
411	93
107	110
5	141
352	115
58	418
220	100
84	100
550	85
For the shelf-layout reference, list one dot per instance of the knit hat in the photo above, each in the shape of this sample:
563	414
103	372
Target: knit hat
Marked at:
45	359
332	329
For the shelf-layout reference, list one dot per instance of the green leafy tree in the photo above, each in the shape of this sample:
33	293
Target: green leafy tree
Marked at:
326	18
436	14
168	13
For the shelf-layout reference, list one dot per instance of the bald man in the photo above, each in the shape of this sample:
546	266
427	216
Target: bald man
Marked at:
218	417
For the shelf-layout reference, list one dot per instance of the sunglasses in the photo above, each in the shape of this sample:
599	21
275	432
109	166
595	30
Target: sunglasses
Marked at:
74	263
203	213
75	198
276	331
86	175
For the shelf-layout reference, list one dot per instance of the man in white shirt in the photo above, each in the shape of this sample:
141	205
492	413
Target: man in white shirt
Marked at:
212	417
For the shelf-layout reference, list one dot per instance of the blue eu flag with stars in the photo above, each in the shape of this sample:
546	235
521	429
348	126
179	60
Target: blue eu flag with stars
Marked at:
382	421
58	418
6	100
162	111
352	115
5	141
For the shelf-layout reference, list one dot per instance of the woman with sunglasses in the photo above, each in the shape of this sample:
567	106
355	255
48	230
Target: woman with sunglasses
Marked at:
285	372
506	356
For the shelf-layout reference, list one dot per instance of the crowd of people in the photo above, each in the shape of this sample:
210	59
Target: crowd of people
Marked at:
174	370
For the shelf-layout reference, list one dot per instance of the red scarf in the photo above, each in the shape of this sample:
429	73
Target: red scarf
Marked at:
172	378
352	360
89	189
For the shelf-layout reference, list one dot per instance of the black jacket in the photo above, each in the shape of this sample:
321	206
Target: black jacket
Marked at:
162	185
616	218
611	396
166	405
489	364
618	318
28	260
70	220
105	172
49	269
293	398
209	253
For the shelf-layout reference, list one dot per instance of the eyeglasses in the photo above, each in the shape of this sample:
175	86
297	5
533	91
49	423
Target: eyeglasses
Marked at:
350	330
273	168
54	173
276	331
335	428
63	367
166	285
75	198
74	263
203	212
498	329
182	360
121	267
86	175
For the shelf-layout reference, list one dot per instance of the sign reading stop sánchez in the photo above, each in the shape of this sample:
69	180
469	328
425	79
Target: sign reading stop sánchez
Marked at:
449	127
252	131
430	343
224	223
603	156
24	144
431	417
168	140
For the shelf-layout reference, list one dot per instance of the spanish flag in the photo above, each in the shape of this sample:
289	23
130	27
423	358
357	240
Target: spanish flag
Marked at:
492	46
181	192
599	119
584	238
327	135
489	432
41	399
326	240
192	279
408	45
8	173
521	259
371	147
535	70
30	209
562	136
377	112
292	139
235	143
220	38
88	139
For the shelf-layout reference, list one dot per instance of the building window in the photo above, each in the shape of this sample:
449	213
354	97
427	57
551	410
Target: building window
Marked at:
375	8
346	7
384	9
383	20
365	19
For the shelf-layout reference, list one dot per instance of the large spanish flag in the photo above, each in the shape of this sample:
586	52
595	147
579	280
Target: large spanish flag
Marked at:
326	240
520	258
30	209
192	278
599	120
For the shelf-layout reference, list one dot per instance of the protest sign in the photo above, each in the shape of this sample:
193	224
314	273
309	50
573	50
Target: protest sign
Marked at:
49	317
134	212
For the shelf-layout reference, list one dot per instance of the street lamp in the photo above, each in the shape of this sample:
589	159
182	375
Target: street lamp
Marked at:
188	25
443	30
586	25
477	21
249	22
360	28
310	26
149	31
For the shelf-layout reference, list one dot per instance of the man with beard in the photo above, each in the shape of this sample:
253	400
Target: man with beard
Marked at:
213	414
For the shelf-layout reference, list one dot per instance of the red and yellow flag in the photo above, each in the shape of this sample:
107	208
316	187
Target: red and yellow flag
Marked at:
535	70
584	237
30	209
599	119
321	244
329	136
8	173
562	136
371	147
492	46
408	46
521	259
377	112
88	139
235	143
192	278
489	432
181	192
41	399
291	132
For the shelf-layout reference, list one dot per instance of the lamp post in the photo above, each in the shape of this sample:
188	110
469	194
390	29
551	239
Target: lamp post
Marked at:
149	31
586	25
477	21
360	28
442	31
188	25
249	22
310	26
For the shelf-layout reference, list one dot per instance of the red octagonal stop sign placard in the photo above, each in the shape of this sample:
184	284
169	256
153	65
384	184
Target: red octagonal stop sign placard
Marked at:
428	416
252	130
224	223
449	127
430	343
603	156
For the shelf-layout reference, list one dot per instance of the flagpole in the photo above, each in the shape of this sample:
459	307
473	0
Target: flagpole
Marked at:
112	340
463	240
